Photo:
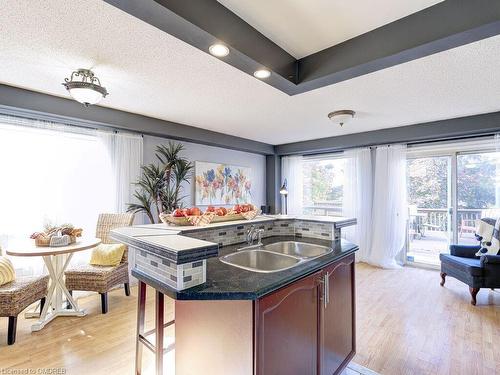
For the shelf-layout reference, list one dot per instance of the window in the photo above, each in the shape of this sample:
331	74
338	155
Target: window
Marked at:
50	173
323	183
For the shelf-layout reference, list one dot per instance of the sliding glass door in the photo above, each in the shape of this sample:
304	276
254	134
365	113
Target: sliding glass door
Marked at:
478	191
449	189
429	208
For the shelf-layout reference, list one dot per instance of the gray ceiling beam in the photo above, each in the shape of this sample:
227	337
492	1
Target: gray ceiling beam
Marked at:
446	25
477	125
20	102
202	23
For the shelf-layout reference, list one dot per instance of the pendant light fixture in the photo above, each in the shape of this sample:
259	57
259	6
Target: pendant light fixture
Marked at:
85	87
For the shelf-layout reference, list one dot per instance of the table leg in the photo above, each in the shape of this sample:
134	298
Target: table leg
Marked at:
56	265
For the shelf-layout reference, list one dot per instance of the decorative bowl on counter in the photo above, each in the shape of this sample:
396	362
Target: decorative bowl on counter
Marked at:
194	216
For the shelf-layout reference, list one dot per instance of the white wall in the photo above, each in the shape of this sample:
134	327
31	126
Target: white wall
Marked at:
197	152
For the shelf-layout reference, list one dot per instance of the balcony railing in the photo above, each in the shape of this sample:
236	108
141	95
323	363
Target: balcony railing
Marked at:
326	208
436	219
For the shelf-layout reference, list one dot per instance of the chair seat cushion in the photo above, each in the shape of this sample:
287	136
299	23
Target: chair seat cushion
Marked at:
94	278
7	273
469	265
20	293
107	254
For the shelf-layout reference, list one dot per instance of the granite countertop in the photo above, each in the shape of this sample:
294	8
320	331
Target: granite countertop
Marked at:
226	282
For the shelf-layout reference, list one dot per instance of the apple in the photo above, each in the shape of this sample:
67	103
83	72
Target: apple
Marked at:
195	211
178	213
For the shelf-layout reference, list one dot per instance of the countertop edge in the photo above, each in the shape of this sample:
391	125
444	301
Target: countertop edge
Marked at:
231	296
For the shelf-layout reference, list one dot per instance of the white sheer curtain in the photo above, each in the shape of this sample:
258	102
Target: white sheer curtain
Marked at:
357	199
291	169
125	153
389	206
49	173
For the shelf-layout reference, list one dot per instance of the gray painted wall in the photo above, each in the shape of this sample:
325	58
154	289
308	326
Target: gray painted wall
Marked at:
199	152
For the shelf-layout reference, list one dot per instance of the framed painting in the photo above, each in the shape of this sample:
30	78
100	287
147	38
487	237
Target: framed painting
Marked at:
222	184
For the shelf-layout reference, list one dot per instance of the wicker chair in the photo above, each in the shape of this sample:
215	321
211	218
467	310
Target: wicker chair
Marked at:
19	294
101	279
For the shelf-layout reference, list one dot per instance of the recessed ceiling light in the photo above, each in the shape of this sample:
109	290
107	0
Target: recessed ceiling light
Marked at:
219	50
262	73
342	116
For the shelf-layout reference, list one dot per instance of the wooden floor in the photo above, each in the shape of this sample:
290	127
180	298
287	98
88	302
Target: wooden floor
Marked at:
407	324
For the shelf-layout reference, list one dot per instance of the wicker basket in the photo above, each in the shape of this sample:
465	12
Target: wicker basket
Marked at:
207	218
45	241
42	241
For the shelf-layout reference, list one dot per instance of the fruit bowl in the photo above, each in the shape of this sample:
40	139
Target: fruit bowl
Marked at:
194	216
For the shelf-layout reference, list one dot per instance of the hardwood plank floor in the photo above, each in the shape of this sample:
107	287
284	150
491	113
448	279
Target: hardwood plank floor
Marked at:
407	324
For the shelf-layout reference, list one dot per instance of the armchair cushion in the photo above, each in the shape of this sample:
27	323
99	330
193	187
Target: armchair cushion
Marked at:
468	266
465	251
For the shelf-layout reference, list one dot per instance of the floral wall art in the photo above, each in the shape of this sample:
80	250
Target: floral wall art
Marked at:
222	184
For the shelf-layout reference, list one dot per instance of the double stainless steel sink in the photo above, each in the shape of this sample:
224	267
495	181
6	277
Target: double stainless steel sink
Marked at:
274	257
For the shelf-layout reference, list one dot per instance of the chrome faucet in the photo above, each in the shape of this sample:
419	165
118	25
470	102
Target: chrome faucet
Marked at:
254	233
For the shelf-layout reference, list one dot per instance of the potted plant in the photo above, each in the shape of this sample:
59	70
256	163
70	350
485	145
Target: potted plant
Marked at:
160	186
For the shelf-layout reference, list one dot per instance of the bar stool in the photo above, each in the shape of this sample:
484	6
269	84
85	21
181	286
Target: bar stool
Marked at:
160	325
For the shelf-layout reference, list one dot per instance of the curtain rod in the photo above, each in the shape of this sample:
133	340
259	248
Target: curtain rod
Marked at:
75	124
409	144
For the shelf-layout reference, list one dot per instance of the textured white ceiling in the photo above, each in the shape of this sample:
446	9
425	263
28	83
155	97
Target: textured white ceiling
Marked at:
302	27
149	72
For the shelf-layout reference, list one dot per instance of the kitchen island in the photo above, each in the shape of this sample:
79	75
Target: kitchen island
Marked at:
299	320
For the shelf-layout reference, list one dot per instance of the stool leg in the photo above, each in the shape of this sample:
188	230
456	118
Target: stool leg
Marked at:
127	289
141	309
159	332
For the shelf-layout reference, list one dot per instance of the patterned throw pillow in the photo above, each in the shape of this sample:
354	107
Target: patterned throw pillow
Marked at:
7	273
489	235
107	254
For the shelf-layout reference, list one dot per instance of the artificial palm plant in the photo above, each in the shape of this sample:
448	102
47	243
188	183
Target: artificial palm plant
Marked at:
160	186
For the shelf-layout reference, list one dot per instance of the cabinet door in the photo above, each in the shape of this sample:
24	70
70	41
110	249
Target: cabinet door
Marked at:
286	323
337	318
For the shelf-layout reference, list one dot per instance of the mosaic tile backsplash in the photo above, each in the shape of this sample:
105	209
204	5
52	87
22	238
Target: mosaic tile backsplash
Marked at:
236	234
187	275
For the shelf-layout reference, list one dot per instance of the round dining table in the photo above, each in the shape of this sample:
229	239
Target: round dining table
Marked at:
56	260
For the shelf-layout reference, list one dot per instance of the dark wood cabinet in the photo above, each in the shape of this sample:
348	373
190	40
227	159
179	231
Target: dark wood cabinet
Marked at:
307	327
337	317
286	324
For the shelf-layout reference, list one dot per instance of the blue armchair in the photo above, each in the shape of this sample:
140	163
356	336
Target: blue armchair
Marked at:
477	272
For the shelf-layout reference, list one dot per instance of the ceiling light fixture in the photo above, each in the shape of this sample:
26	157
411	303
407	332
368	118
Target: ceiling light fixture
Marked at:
341	117
85	87
262	73
219	50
